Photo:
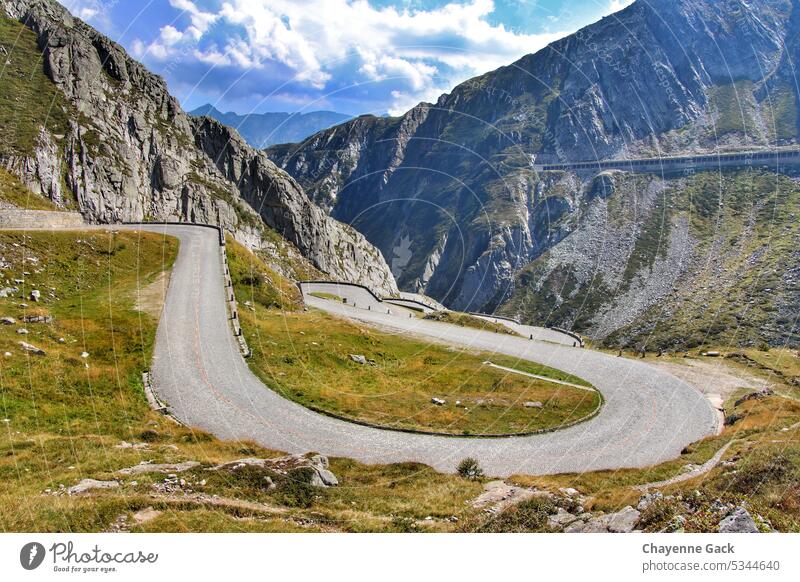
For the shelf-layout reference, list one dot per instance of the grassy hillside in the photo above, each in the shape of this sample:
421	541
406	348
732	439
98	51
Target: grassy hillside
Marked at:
69	417
739	289
29	99
66	422
761	468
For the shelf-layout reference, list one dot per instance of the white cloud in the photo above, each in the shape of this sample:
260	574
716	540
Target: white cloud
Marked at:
417	74
617	5
402	101
84	9
427	51
171	35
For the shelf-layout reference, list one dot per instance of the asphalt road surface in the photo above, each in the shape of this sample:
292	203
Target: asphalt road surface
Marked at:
648	417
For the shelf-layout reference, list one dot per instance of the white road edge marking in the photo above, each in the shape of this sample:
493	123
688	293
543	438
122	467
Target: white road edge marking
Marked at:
545	378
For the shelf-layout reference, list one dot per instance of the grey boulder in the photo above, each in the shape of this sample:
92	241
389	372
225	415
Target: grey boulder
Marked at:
739	521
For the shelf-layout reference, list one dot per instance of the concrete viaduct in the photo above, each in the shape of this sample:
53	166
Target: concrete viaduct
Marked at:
778	159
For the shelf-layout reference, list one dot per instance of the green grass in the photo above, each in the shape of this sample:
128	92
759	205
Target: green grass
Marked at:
88	287
783	363
780	112
256	283
279	252
765	467
65	421
15	193
735	107
738	111
538	369
466	320
328	296
305	356
29	98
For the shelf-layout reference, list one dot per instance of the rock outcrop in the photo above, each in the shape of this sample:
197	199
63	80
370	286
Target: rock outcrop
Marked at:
739	521
130	153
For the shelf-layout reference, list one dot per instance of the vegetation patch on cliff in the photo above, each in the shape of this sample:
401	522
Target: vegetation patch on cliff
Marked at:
29	98
14	193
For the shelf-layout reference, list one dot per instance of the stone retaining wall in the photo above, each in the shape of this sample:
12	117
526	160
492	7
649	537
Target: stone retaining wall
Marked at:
19	218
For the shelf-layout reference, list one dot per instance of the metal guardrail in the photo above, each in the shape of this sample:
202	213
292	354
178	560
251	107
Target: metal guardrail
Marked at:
571	334
219	229
418	305
492	316
364	287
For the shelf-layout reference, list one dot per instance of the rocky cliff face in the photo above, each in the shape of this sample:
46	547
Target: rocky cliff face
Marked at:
448	191
126	151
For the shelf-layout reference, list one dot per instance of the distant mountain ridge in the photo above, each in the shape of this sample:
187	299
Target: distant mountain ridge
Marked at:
262	130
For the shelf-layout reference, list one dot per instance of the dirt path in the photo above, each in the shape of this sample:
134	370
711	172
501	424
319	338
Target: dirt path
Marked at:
696	472
715	378
150	298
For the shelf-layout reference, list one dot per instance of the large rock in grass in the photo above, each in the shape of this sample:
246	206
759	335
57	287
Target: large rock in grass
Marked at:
322	476
624	521
31	349
740	521
87	485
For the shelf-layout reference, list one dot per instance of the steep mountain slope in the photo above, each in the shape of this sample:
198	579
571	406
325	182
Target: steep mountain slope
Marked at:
656	262
448	191
97	128
261	130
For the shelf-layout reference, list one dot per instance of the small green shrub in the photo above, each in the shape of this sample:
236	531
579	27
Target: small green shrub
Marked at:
772	470
470	469
657	515
149	435
295	489
404	524
526	516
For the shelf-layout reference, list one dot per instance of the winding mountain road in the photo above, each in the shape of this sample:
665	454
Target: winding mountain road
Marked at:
648	417
362	298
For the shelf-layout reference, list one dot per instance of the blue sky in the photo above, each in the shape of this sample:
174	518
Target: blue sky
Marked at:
351	56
